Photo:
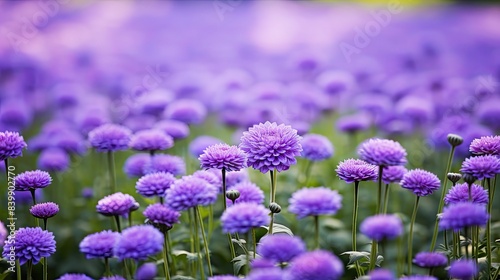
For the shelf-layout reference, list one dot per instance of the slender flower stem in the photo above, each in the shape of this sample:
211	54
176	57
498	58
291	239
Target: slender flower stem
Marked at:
111	169
32	191
488	227
130	218
205	242
106	266
399	257
248	256
229	238
386	198
6	161
45	268
316	232
191	239
410	239
466	234
355	222
379	195
445	235
169	249
496	273
455	246
441	200
30	269
197	244
117	223
211	220
18	270
307	172
165	258
254	242
373	255
272	198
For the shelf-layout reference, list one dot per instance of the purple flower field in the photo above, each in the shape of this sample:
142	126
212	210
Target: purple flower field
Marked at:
258	140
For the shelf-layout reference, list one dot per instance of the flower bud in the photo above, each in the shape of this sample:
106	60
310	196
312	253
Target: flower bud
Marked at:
134	207
454	177
232	195
469	178
455	140
275	208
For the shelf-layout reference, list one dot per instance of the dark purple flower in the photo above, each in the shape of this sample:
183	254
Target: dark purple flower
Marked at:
116	204
176	129
418	277
70	141
138	123
11	145
314	202
154	102
463	214
99	245
74	276
15	113
381	274
223	277
35	179
481	167
165	163
393	174
88	193
223	156
315	265
30	244
353	123
151	140
460	193
200	143
419	109
188	111
258	264
138	243
249	192
487	145
335	82
242	217
420	182
280	248
154	184
271	146
147	271
463	269
316	147
44	210
134	165
53	160
274	273
110	137
356	170
430	259
159	214
189	192
382	227
88	119
382	152
40	142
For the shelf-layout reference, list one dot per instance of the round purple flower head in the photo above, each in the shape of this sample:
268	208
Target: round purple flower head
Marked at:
314	202
24	197
31	244
147	271
74	276
223	277
188	111
481	167
418	277
223	156
274	273
201	143
176	129
487	145
70	141
110	137
280	248
430	259
242	217
116	204
249	192
463	269
165	163
99	245
189	192
353	123
382	152
154	184
35	179
53	160
88	193
159	214
134	165
138	243
209	177
271	146
316	265
381	274
393	174
460	193
316	147
151	140
11	145
382	227
420	182
3	233
463	214
356	170
44	210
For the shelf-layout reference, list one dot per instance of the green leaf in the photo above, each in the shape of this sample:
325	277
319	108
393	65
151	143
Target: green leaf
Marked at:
241	242
4	274
379	260
239	262
279	228
355	256
332	223
189	256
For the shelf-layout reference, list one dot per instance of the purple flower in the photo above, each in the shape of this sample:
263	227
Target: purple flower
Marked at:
481	167
146	271
189	192
242	217
267	274
138	243
154	102
11	145
420	182
316	147
74	276
159	214
271	146
110	137
233	177
188	111
176	129
134	165
3	233
99	245
151	140
70	141
114	277
463	214
335	82
393	174
88	193
24	197
381	274
430	259
44	210
280	248
315	265
223	277
30	244
154	184
116	204
463	269
165	163
53	160
382	152
353	123
460	193
314	202
200	143
487	145
249	192
382	227
356	170
29	180
418	277
223	156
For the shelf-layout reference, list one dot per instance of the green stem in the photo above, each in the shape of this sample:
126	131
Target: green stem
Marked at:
445	235
316	232
18	270
205	242
45	269
127	271
379	195
441	200
191	239
45	224
386	198
169	249
355	223
488	228
30	269
455	246
117	223
111	169
466	234
165	258
373	255
32	191
307	172
197	244
106	266
229	238
272	198
399	257
248	256
254	242
410	239
496	273
211	220
130	218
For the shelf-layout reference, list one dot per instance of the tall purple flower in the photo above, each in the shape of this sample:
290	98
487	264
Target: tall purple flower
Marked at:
420	182
463	214
44	210
74	276
249	192
99	244
353	123
280	248
189	111
356	170
110	137
481	167
460	193
315	202
200	143
138	243
271	146
223	156
382	274
165	163
151	140
393	174
382	152
117	204
430	259
147	271
30	180
316	147
315	265
53	160
11	145
161	215
31	244
487	145
176	129
134	165
382	227
189	192
463	269
242	217
208	176
154	184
